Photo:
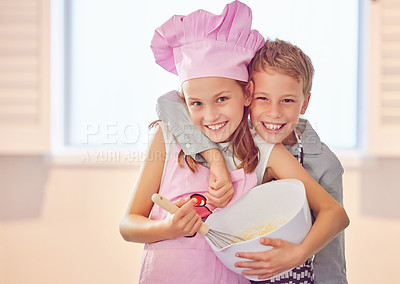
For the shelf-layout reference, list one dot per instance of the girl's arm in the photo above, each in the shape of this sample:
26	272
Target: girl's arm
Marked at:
172	109
331	219
135	225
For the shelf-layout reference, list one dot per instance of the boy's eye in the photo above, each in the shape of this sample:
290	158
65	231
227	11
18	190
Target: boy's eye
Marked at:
222	99
288	100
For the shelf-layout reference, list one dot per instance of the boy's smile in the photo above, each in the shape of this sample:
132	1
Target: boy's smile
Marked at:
272	126
277	103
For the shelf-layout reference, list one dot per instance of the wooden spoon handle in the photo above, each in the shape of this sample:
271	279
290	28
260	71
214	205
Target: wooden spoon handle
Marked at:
164	203
170	207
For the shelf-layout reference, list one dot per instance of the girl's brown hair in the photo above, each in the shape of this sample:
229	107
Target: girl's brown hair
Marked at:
241	141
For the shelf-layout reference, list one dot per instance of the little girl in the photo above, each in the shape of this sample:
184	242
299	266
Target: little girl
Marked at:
210	54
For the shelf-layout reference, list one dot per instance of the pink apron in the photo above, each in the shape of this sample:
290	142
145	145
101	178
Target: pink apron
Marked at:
188	260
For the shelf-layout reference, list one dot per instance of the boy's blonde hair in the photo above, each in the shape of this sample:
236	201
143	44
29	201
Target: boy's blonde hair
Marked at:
282	56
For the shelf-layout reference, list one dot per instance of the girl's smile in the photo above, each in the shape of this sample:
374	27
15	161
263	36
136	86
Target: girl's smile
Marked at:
217	126
216	105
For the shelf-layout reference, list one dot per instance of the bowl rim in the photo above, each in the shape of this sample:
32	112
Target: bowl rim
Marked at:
304	196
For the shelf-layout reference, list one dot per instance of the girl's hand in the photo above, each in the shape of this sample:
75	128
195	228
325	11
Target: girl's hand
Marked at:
185	222
283	256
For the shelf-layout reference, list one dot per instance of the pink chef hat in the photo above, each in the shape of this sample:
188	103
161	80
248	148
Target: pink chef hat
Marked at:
202	44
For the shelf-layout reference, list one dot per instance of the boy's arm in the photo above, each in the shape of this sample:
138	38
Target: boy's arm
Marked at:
172	110
332	180
220	189
331	219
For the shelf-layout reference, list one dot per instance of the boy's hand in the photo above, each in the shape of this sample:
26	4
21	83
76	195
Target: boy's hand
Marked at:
220	190
283	256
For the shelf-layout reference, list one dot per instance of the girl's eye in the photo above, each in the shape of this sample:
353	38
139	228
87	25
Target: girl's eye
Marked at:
196	104
222	99
261	98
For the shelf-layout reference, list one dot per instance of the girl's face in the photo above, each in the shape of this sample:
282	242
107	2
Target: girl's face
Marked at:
216	105
277	103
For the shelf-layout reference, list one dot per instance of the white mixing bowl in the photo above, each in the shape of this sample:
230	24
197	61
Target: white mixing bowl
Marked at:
276	200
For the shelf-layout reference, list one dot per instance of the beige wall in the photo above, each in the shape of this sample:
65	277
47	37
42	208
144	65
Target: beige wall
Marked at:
59	224
372	193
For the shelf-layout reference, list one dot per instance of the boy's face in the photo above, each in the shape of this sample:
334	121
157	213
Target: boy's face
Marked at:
215	105
277	103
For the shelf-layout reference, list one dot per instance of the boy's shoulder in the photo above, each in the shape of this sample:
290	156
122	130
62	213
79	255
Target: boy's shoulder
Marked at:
169	138
318	151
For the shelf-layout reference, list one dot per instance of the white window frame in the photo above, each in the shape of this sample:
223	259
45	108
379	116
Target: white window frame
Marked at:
63	153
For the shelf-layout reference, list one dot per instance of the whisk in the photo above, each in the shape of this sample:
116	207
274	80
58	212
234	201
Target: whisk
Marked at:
218	239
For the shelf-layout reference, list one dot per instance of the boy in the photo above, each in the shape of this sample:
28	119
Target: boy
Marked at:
280	80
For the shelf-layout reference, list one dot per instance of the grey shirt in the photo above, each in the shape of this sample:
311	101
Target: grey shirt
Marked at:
319	161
